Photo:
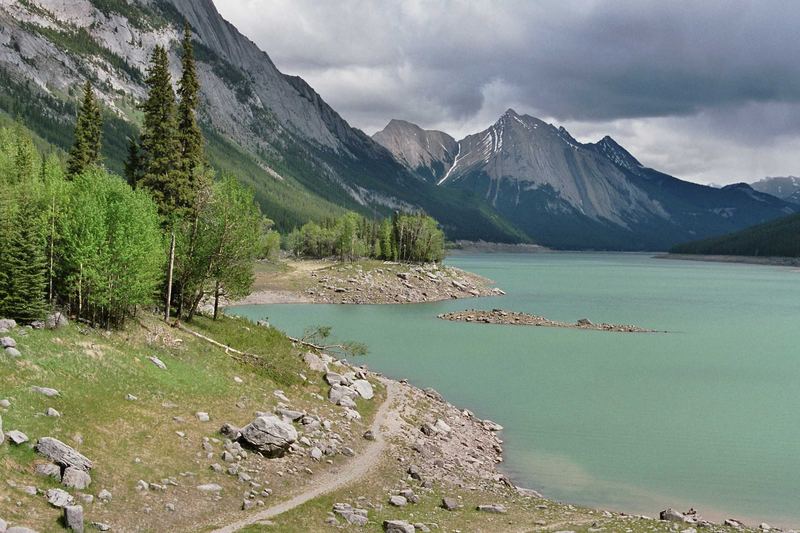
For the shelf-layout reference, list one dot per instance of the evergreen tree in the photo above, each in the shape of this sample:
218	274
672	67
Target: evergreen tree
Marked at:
160	144
25	266
85	150
190	135
133	165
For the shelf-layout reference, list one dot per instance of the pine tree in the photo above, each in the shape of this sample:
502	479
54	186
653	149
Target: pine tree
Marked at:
160	144
85	150
191	137
24	294
133	164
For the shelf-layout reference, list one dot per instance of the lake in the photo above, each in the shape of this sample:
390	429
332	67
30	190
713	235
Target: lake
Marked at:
705	416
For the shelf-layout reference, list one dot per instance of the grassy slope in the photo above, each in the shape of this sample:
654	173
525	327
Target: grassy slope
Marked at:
779	238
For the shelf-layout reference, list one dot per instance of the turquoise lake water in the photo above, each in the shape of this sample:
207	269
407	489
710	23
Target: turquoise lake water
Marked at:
707	415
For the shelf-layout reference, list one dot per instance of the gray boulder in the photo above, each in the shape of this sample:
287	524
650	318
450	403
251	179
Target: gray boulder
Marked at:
60	453
332	378
158	362
76	478
338	392
314	362
492	508
52	412
398	501
73	517
209	487
17	437
59	498
450	504
56	320
7	342
12	352
269	435
363	388
47	391
398	526
671	515
3	526
20	529
7	324
49	470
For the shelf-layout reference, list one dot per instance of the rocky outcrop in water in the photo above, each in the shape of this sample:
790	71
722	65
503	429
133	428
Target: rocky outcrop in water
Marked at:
499	316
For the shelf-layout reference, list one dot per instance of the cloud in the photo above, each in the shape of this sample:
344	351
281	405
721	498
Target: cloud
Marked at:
684	85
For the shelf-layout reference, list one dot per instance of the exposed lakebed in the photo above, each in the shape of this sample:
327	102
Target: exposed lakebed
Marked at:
703	417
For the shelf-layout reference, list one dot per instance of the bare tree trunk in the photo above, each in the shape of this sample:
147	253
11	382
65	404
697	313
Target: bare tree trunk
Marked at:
216	299
168	301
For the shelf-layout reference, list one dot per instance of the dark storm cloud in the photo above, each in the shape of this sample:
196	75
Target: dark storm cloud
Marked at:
724	72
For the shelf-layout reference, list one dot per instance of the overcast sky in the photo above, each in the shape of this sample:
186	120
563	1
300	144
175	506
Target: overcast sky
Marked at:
708	91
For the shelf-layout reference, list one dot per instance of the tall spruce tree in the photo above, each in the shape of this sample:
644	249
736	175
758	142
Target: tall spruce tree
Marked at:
85	150
25	266
191	138
133	164
160	144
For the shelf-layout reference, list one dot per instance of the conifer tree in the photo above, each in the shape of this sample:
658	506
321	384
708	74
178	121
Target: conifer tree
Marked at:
85	150
133	164
191	137
160	144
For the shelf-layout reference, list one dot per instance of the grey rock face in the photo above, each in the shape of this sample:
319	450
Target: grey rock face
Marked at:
56	320
363	388
59	498
429	153
73	518
338	392
398	526
270	435
76	478
60	453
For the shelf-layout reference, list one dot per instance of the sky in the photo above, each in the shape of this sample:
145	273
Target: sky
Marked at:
708	90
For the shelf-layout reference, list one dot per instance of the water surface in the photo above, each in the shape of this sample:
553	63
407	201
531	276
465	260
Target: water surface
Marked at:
707	415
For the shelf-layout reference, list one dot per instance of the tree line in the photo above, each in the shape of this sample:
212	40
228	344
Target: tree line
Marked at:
79	238
408	237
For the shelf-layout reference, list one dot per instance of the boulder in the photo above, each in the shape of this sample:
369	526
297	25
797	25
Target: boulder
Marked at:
269	435
47	391
17	437
441	426
202	416
49	470
450	504
398	526
398	501
672	515
20	529
4	403
369	435
347	401
314	362
3	526
105	495
315	453
73	517
52	412
59	498
60	453
289	413
56	320
7	324
492	426
363	388
332	378
230	431
12	352
337	392
209	487
75	478
492	508
7	342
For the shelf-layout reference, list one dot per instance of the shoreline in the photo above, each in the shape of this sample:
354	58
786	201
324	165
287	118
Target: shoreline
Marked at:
737	259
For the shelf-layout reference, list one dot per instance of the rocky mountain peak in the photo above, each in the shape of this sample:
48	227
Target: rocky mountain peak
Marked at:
429	153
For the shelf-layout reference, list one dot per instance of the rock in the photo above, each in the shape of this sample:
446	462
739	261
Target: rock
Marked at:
363	388
279	394
17	437
492	426
230	431
56	320
3	526
7	342
414	472
2	435
76	478
398	526
315	453
409	495
731	522
269	435
158	362
49	470
60	453
289	413
338	392
314	362
20	529
59	498
12	352
105	495
764	526
5	404
441	426
398	501
7	324
492	508
101	526
348	402
428	429
52	412
73	517
202	416
238	380
671	515
584	322
131	397
332	378
450	504
47	391
369	435
209	487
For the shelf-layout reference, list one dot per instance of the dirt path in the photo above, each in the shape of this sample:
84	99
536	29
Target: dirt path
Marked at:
387	421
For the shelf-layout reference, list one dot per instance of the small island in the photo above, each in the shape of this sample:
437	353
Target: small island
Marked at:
514	318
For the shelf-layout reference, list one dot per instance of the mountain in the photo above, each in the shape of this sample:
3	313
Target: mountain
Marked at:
429	153
567	194
778	238
786	188
272	130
